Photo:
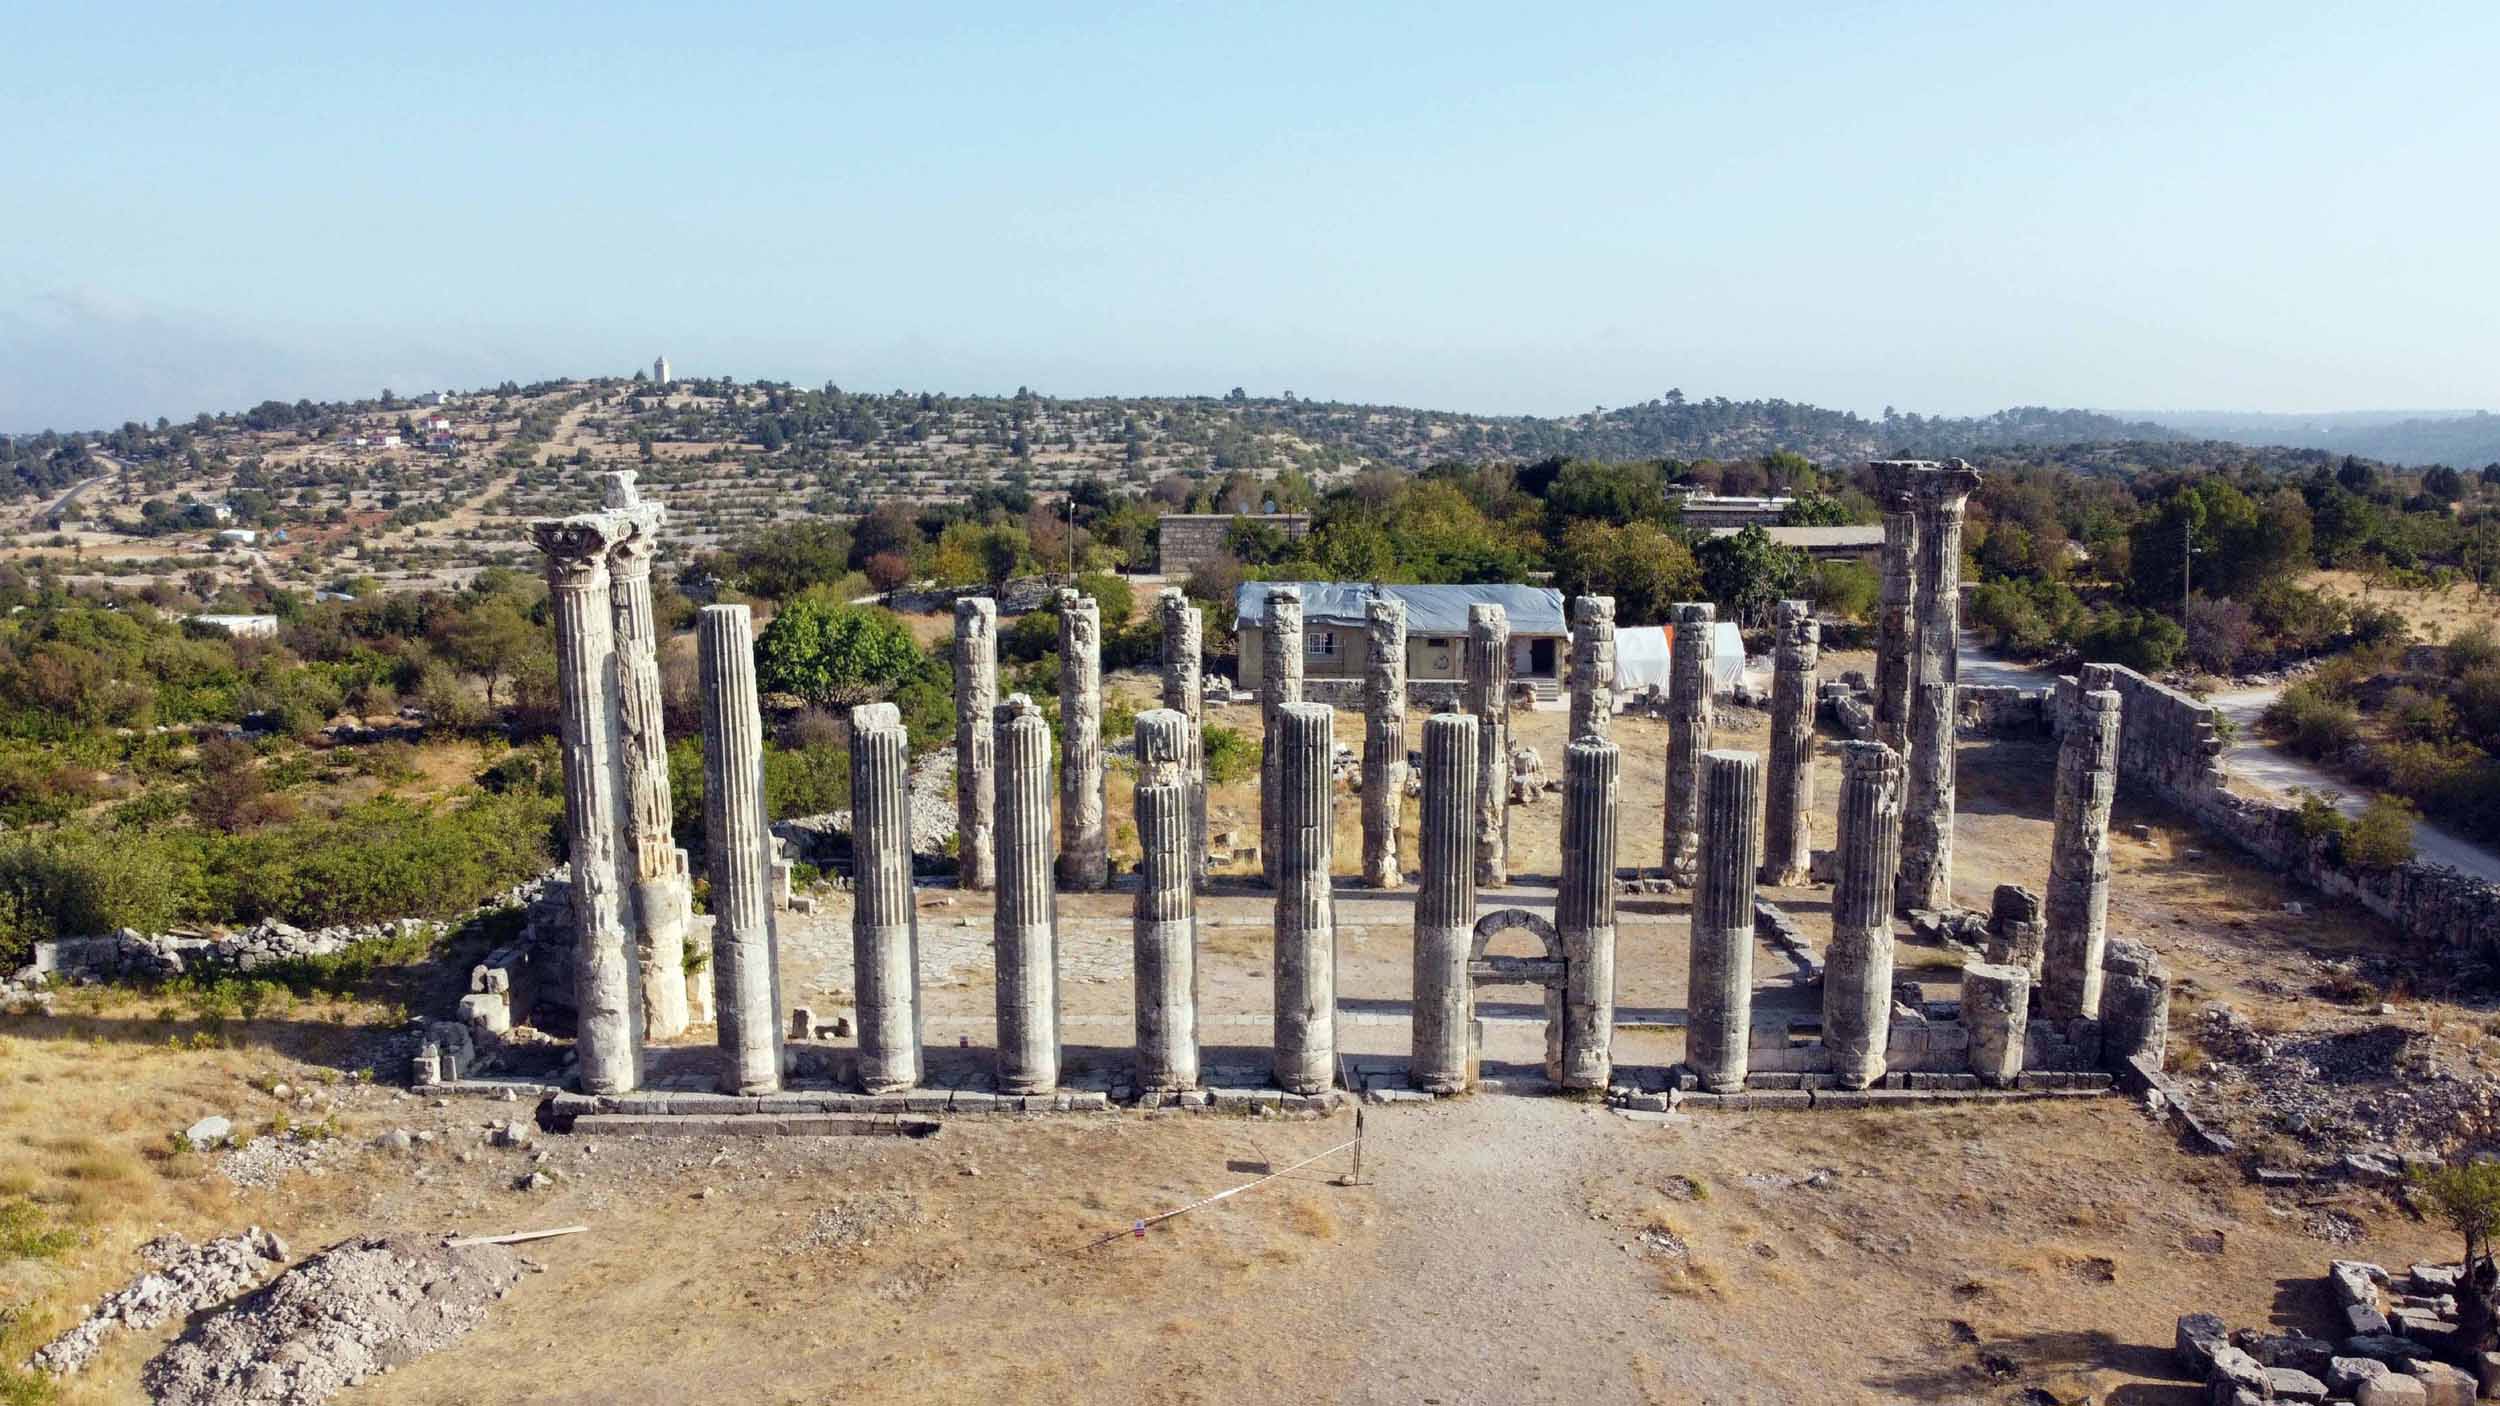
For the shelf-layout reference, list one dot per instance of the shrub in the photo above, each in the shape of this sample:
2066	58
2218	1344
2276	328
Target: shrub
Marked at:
2381	837
77	883
2424	717
2310	722
2219	633
2138	639
1230	755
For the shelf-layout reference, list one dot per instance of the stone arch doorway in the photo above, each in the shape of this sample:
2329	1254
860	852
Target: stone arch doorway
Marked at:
1551	973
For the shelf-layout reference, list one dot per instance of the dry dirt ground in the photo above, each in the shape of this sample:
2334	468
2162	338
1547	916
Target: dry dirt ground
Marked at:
1504	1246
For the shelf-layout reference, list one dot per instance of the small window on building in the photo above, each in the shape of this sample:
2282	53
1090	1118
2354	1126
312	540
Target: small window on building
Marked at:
1320	644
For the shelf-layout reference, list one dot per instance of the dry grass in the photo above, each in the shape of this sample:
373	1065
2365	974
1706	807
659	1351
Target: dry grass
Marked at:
2434	615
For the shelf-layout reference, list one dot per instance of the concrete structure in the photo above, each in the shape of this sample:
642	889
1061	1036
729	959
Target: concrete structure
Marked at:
1927	812
1187	541
1730	512
1445	907
1857	978
1280	684
737	847
1592	667
607	979
1832	542
1336	615
1084	842
885	923
1584	911
1488	697
1787	848
1688	737
1384	739
2075	917
1026	928
662	895
976	746
1166	914
1306	904
1896	615
1184	692
1996	1011
1721	969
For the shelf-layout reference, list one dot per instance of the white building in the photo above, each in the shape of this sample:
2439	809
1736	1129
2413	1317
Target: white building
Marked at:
241	626
238	536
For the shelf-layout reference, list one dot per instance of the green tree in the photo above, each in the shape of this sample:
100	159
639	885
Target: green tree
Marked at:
2467	1196
832	654
1747	572
1643	567
787	558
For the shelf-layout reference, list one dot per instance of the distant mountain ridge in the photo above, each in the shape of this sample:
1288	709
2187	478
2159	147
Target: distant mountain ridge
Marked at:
2460	438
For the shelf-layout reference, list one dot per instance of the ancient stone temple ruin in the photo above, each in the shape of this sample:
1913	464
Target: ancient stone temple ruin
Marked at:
2051	1006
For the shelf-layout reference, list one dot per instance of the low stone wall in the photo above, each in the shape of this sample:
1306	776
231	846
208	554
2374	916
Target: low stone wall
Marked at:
2170	746
2000	710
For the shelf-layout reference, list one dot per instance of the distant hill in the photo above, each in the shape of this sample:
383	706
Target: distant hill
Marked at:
2461	438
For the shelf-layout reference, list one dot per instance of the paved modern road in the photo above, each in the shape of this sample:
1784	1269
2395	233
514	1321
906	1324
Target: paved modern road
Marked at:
2257	762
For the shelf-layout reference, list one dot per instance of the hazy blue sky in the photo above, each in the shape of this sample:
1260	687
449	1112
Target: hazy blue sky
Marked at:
1948	208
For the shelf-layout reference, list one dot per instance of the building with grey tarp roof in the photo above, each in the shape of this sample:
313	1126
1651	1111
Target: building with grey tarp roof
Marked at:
1436	629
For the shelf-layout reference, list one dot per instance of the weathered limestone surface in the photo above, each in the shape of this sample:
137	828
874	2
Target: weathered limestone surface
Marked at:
976	747
1488	697
1787	848
1445	906
1996	1011
885	922
2014	929
1584	911
1280	683
737	846
1084	841
1857	980
1688	736
1896	618
1927	811
1166	914
2076	912
1721	1003
1384	738
606	975
1592	666
2135	1004
1184	692
1306	904
662	899
1026	928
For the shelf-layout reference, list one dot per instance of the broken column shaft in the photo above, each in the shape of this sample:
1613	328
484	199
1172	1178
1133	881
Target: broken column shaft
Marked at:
2075	910
1184	692
1996	1012
1306	904
1721	999
1166	913
1787	838
1927	807
662	901
1896	617
606	974
976	747
1857	974
1280	683
738	855
1384	738
885	923
1688	735
1488	697
1025	932
1584	911
1445	906
1592	667
1084	842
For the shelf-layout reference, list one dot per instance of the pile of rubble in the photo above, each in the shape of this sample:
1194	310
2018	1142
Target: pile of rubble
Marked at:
181	1279
2361	1100
2391	1355
131	955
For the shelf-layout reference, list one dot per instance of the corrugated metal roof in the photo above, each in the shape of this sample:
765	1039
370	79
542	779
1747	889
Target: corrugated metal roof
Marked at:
1430	610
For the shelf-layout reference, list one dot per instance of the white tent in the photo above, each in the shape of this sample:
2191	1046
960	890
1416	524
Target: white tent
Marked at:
1643	657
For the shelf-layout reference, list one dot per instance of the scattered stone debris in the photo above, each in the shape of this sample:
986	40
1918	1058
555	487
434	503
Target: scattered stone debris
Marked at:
360	1307
271	1158
2364	1101
854	1221
2389	1353
183	1278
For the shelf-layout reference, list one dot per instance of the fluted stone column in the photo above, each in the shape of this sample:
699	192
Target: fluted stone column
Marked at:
607	978
2075	915
1084	842
1166	915
1488	697
1306	904
1384	738
1927	810
976	745
1584	912
1896	618
885	923
1280	683
1857	973
1721	1000
1184	692
662	899
738	853
1787	838
1025	932
1996	1013
2135	1004
1592	666
1688	735
1445	906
